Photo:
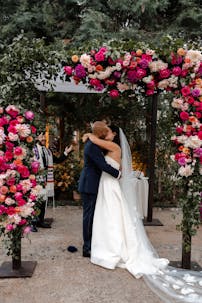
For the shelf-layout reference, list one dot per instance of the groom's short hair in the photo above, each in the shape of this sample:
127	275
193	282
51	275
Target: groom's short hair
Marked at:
100	129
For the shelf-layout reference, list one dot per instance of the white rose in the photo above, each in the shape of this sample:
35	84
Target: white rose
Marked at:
185	171
193	142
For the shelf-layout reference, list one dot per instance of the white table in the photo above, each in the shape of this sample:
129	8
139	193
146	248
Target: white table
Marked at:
141	191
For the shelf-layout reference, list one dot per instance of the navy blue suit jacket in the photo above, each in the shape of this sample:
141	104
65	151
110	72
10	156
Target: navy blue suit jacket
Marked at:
94	164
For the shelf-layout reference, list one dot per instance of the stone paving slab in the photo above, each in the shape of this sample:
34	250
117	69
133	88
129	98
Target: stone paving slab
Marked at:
64	277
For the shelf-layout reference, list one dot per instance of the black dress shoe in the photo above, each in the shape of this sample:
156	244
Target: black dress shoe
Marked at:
43	225
86	254
34	229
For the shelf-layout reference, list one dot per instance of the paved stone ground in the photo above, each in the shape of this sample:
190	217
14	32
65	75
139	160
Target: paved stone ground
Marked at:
63	277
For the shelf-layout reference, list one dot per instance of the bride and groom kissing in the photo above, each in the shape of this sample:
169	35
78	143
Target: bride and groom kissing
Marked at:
113	232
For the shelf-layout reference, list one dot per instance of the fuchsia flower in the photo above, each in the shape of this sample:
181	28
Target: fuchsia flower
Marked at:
68	70
114	93
29	115
80	71
176	71
18	151
184	116
35	167
195	92
9	227
185	91
12	110
164	73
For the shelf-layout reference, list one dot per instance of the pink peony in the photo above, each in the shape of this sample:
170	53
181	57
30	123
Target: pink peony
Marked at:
200	135
141	73
100	56
22	222
18	196
184	116
26	230
185	91
24	171
29	115
12	110
114	93
9	227
164	73
176	71
35	167
18	151
149	92
68	70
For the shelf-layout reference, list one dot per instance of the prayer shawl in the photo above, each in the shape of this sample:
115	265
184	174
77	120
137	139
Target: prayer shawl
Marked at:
49	179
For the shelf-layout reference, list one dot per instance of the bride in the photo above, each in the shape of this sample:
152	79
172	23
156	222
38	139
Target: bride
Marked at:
119	238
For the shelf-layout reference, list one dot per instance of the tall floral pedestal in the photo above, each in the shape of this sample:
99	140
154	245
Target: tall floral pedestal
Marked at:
17	268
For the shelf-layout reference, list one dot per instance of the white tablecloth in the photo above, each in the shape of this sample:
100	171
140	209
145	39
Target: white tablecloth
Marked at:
141	191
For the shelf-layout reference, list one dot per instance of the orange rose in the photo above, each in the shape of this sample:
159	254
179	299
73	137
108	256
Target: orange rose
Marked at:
17	162
17	210
133	64
186	150
13	189
4	190
139	52
2	198
187	60
180	148
75	58
193	119
29	139
99	67
181	51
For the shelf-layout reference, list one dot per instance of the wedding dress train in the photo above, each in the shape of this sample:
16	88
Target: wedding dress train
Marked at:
119	238
116	240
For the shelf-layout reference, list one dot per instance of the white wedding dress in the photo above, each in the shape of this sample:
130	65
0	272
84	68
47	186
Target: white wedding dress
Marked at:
116	240
119	238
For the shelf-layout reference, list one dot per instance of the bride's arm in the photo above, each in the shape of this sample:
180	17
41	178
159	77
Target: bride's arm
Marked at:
108	145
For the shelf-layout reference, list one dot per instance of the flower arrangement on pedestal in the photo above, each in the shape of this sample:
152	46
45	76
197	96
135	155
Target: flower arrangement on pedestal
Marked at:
19	188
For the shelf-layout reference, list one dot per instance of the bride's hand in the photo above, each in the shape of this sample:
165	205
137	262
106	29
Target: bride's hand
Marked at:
85	137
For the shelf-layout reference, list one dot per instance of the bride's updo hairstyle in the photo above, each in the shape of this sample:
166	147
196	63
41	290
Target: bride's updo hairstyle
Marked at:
115	129
99	129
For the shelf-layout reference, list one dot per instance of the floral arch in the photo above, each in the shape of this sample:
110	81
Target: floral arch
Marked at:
146	72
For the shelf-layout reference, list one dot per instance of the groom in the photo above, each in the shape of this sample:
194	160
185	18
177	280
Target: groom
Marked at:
94	164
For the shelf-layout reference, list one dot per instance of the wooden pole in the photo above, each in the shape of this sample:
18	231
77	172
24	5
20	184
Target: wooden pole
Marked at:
152	152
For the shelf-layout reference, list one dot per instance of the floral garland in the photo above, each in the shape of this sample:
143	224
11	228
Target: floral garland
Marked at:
18	185
144	72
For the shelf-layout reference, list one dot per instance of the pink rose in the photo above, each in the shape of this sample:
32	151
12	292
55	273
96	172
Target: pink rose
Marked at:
33	183
190	100
164	73
176	71
200	135
149	92
179	129
26	230
11	181
18	151
151	84
8	155
35	167
21	202
9	146
12	129
24	171
100	56
33	129
68	70
141	73
184	116
32	197
184	73
185	91
182	161
94	82
29	115
19	187
18	196
9	227
22	222
114	93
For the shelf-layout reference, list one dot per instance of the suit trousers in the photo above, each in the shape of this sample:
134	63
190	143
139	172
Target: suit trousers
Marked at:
89	201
